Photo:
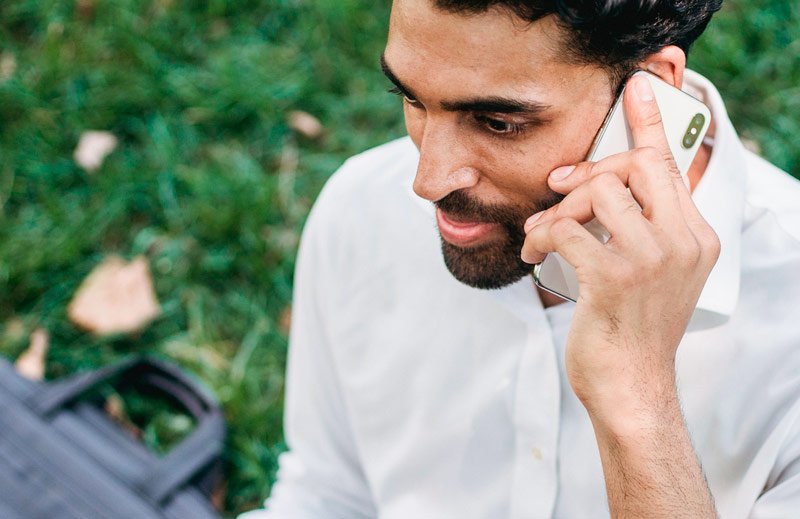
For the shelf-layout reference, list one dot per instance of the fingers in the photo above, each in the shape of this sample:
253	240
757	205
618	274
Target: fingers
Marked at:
666	228
641	170
568	237
606	198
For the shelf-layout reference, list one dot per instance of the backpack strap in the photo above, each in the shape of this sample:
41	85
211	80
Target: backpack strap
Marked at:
194	456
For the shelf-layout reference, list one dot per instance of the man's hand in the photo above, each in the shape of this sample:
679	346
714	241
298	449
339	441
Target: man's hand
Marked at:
637	294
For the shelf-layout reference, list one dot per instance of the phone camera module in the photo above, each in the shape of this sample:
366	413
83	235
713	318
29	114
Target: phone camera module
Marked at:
693	131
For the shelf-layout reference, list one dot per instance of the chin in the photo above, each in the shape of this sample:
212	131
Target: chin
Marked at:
486	267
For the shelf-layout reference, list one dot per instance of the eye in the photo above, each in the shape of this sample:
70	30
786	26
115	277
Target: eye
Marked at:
499	127
410	100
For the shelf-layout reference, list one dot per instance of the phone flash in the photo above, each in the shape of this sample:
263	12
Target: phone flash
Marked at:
690	137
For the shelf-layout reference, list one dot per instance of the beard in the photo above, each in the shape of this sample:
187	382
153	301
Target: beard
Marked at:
497	263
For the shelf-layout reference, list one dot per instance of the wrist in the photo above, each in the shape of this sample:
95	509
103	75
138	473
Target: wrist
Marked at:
628	408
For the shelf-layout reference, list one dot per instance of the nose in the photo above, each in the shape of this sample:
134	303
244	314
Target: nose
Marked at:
444	163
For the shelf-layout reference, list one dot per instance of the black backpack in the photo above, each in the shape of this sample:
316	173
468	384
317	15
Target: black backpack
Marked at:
61	456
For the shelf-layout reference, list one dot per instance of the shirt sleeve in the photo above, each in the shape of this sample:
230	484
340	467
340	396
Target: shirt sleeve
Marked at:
321	475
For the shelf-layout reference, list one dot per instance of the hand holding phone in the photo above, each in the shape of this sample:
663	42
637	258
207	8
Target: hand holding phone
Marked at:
685	121
638	289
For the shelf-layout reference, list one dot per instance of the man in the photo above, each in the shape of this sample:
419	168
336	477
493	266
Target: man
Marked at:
414	392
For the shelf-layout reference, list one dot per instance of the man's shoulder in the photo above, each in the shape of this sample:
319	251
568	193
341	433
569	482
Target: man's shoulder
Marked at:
773	190
369	204
390	163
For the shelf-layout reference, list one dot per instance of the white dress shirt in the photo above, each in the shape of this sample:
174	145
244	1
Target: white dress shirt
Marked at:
412	396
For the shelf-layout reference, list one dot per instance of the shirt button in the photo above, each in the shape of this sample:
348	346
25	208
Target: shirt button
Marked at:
537	454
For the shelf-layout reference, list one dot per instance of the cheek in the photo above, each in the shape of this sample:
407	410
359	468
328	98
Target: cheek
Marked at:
520	171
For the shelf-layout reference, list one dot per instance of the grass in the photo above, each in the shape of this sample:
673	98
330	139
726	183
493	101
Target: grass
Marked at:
205	184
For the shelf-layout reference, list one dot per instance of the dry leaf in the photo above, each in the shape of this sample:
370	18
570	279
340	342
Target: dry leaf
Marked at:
85	9
93	147
115	407
305	124
8	65
116	297
289	159
285	320
15	329
31	362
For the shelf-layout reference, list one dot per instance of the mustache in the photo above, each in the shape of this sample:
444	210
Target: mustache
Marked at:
460	205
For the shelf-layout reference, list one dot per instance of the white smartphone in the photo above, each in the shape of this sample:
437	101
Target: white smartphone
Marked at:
686	121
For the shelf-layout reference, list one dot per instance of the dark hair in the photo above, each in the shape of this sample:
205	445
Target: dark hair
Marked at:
615	34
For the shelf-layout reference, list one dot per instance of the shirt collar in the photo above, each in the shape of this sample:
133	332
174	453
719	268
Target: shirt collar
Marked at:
719	196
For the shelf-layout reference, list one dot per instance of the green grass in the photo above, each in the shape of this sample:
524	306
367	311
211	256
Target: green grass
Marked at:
197	92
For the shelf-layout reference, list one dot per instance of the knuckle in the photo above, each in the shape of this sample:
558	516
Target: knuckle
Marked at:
715	247
651	117
529	254
626	202
604	182
558	210
711	244
688	253
647	155
591	169
562	228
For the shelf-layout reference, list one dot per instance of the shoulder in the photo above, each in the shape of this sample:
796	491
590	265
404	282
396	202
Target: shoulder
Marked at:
368	208
388	164
364	187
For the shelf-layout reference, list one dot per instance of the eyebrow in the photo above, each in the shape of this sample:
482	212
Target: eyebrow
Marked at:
488	104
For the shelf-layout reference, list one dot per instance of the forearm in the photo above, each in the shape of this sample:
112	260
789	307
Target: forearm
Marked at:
650	467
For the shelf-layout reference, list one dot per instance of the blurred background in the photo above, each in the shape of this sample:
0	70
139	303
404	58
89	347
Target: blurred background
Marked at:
218	124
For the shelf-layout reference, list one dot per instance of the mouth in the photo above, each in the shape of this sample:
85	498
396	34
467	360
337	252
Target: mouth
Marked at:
463	233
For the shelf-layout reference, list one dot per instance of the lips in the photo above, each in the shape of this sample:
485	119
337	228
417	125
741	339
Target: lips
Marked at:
462	234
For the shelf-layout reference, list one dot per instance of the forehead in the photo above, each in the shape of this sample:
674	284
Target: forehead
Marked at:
469	53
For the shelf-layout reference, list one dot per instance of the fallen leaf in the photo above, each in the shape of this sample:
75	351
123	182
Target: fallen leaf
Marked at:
285	320
305	124
15	329
289	159
93	147
115	407
8	65
116	297
31	362
85	9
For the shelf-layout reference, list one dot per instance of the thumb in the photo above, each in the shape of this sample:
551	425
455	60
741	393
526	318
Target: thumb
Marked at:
644	116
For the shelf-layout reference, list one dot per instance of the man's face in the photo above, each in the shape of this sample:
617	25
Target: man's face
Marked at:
493	107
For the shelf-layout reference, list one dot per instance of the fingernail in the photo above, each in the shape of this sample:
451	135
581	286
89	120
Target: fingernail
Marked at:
644	89
532	220
561	173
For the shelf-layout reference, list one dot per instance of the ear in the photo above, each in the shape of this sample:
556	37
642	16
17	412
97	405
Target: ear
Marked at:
668	64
